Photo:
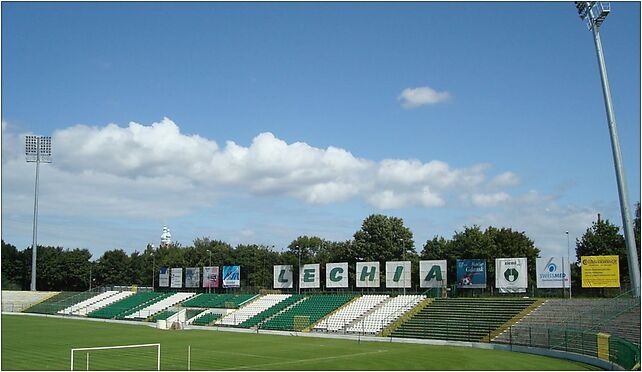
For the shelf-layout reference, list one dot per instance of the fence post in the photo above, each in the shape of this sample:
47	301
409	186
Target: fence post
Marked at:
510	333
565	339
530	337
548	338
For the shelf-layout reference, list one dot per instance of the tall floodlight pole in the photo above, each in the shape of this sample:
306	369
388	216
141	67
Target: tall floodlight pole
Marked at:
568	255
37	150
594	14
153	268
299	249
403	258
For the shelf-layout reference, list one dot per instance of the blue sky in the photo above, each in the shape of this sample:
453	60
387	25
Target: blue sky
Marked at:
443	114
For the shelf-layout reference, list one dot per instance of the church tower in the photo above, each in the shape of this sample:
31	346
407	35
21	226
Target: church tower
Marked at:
166	237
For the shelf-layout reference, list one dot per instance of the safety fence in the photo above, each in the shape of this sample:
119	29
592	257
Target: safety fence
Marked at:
614	349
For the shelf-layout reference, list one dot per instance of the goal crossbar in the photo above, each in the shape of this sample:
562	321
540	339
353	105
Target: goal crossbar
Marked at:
117	347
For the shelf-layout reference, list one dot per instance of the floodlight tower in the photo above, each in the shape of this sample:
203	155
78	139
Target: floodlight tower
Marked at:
37	150
594	13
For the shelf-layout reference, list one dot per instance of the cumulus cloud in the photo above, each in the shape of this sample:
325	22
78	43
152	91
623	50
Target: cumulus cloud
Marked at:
506	179
490	200
415	97
155	170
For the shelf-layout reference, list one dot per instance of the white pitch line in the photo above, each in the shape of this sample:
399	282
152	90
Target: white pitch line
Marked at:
305	360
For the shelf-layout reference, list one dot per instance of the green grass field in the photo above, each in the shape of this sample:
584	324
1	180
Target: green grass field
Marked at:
36	343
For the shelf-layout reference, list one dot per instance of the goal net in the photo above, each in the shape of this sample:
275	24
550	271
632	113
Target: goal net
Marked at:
300	322
142	357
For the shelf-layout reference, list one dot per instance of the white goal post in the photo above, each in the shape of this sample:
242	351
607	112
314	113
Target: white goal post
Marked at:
158	351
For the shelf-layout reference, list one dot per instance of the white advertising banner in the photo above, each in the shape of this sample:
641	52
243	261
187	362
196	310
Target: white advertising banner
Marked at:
553	272
177	277
283	276
511	275
398	274
309	276
336	275
210	277
367	274
192	277
432	274
163	277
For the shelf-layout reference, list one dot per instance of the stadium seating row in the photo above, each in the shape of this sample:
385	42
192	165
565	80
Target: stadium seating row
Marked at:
461	319
389	311
306	313
346	315
248	311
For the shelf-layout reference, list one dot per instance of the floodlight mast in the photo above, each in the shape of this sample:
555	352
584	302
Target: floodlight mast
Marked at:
37	150
594	13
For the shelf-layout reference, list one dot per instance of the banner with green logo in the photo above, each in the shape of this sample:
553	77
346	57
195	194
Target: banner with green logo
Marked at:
511	275
336	275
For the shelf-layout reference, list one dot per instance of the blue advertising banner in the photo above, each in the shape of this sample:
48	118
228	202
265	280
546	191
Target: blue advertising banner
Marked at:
471	273
231	276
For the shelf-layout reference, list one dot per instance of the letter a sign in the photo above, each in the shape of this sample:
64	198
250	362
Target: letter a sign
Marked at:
432	274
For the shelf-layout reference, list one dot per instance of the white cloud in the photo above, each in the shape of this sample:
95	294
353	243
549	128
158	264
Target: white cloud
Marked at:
506	179
490	200
142	171
415	97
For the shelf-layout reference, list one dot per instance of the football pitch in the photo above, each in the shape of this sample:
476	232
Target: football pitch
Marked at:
38	343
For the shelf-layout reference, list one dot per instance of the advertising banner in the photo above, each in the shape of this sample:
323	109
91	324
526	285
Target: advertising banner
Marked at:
177	277
471	273
309	276
367	274
210	277
231	276
511	275
432	274
398	274
553	272
283	276
192	277
600	271
336	275
163	277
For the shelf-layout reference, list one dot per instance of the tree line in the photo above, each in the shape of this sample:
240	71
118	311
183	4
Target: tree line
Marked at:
380	238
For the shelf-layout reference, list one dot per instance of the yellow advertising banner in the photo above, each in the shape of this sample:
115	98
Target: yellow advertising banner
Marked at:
600	271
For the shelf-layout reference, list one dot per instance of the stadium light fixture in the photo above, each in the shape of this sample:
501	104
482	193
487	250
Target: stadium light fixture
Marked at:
37	150
594	13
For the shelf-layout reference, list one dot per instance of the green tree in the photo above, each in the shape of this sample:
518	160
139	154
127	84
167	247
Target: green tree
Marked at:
382	238
12	267
114	268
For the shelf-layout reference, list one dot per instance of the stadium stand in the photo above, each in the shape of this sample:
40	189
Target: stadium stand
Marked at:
462	319
192	313
129	305
306	313
161	305
347	314
271	311
384	314
58	302
102	303
96	298
162	315
15	301
206	319
251	309
619	317
223	300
